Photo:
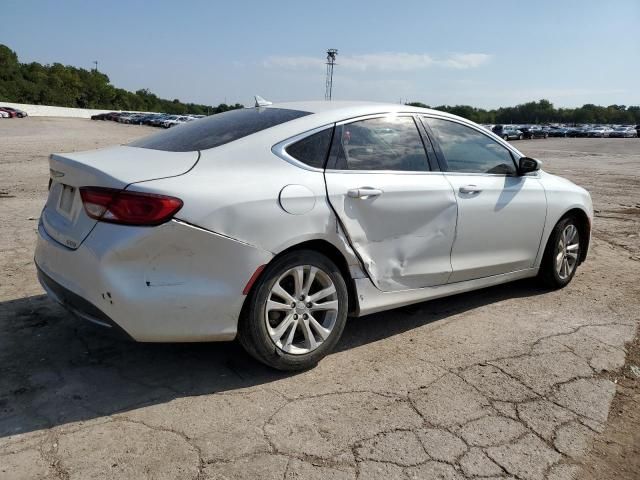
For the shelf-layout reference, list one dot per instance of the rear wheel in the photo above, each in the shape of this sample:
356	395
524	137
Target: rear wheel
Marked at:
562	254
521	137
296	312
505	137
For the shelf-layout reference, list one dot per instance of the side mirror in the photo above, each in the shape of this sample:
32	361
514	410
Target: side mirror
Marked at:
527	165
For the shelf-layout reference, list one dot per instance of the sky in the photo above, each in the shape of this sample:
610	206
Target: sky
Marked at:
483	53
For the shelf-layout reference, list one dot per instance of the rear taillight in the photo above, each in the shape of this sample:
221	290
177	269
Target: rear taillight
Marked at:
128	208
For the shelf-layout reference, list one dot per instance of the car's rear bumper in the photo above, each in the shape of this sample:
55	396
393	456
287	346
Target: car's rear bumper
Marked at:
170	283
78	306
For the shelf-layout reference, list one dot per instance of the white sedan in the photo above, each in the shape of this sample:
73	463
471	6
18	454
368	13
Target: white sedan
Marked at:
273	224
176	120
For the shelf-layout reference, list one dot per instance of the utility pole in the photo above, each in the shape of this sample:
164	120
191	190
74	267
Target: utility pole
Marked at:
332	53
96	63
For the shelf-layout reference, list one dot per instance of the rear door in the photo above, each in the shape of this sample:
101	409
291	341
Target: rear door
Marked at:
501	214
399	214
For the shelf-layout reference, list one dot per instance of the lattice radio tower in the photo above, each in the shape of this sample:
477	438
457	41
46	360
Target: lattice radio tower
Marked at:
332	53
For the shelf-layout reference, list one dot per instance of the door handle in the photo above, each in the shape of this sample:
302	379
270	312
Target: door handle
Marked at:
470	189
364	192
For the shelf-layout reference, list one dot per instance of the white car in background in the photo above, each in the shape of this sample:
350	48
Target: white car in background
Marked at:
176	120
601	132
273	224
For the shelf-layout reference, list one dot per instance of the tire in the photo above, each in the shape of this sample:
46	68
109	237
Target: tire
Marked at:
505	138
552	271
280	337
521	137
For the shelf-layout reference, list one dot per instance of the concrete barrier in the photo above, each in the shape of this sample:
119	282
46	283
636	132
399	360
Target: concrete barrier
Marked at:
48	111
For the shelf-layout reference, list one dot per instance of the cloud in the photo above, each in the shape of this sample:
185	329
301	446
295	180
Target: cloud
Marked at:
466	60
385	61
294	63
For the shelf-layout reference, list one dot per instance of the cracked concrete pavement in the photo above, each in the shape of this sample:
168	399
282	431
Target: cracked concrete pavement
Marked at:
507	382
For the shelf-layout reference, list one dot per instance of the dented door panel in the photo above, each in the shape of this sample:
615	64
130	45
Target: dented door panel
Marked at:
404	234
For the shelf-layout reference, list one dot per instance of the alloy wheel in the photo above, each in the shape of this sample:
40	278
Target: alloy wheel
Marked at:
567	252
301	310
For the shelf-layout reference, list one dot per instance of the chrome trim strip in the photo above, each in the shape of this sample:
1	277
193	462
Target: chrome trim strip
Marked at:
375	115
384	172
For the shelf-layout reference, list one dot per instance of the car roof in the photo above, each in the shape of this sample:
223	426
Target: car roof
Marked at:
348	109
328	112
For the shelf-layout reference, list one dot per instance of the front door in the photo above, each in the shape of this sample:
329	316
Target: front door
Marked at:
399	215
501	214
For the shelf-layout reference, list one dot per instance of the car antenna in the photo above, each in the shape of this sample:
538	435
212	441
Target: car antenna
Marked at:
261	102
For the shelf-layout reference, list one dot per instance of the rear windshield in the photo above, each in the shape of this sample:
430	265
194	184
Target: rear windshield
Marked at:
218	129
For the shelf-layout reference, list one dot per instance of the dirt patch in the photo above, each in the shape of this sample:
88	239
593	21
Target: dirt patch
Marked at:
616	453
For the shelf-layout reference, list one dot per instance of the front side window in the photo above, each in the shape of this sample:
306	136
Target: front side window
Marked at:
388	143
467	150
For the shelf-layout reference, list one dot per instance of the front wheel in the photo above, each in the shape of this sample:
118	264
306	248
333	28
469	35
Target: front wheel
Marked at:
296	312
521	137
562	254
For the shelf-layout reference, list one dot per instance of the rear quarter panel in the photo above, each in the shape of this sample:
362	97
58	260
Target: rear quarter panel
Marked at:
234	190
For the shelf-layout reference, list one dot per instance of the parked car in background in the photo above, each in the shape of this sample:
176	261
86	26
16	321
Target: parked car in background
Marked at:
124	117
147	119
10	113
16	111
623	132
174	120
102	116
600	132
508	132
533	132
577	132
159	120
558	132
244	224
151	119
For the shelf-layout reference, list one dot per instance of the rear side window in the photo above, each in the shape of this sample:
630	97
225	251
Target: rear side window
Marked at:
312	150
467	150
218	129
388	143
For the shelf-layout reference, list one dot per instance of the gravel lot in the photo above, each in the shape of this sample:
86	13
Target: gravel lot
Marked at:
508	382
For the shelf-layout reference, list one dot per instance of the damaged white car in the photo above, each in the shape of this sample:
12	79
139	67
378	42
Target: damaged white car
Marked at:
274	224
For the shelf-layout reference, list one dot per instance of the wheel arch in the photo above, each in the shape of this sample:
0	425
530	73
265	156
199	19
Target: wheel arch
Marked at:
330	251
584	227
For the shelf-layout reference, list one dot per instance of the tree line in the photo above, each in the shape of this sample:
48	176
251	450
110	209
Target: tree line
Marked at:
544	112
66	86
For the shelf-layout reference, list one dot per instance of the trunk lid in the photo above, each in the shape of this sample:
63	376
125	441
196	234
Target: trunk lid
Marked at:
64	218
